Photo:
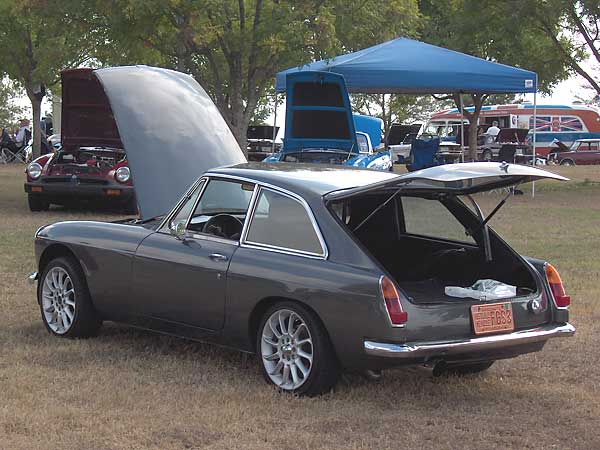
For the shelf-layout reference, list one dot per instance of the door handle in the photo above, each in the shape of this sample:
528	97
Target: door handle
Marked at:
218	257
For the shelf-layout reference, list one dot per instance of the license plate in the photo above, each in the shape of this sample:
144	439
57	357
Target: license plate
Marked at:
492	318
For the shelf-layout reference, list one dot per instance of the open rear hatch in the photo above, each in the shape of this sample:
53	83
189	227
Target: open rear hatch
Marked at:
427	233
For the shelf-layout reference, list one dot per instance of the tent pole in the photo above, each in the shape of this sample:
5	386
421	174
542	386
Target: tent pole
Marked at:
534	137
462	131
274	125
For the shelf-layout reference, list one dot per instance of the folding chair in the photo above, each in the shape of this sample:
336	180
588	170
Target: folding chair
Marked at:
11	153
423	154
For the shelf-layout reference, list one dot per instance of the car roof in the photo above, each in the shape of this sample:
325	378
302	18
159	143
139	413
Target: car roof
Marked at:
589	140
305	179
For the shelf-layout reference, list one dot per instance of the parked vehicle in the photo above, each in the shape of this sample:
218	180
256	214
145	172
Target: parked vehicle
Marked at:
563	122
260	142
581	152
319	126
90	163
399	139
315	268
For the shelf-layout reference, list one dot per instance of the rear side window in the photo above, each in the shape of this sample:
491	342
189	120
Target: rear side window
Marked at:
431	218
282	222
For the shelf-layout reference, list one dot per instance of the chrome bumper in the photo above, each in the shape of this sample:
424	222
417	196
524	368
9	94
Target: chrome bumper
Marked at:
428	349
32	277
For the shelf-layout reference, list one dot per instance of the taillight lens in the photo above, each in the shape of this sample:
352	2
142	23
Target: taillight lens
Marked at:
392	302
558	291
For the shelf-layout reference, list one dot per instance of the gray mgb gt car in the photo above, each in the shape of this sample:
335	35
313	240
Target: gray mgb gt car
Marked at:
315	268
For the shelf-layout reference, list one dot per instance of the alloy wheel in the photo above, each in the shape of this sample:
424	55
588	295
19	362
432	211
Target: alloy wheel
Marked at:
287	349
58	300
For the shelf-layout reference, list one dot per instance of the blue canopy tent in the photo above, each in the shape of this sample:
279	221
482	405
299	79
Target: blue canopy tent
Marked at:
410	67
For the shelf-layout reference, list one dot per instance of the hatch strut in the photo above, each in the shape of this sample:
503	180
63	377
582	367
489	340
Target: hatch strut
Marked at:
484	221
390	198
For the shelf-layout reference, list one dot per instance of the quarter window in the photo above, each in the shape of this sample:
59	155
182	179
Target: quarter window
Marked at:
186	209
283	222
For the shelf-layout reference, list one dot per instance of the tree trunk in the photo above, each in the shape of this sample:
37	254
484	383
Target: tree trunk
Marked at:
36	106
472	154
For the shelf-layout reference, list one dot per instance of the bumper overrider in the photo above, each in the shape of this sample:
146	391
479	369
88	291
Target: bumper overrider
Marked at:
432	350
110	191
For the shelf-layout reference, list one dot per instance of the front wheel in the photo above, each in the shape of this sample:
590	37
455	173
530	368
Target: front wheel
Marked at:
37	203
65	302
295	352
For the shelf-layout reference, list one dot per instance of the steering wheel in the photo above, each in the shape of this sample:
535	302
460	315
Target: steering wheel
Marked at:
224	225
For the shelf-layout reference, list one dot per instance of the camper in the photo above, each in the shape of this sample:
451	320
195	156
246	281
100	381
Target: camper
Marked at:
554	122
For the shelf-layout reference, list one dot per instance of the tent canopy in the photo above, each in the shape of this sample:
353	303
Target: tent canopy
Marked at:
406	66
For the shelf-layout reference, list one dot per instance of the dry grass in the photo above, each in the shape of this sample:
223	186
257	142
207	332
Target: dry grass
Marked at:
133	390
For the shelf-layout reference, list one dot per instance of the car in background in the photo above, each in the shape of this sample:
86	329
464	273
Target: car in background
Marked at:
582	152
399	139
508	141
320	127
260	142
88	162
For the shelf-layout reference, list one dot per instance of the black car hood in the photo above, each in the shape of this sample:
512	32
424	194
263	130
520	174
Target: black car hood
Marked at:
171	130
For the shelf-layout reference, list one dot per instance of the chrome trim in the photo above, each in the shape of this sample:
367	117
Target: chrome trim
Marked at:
213	238
426	349
32	277
178	205
292	251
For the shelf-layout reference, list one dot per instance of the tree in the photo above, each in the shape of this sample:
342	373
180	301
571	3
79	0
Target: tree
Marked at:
234	48
497	31
573	27
392	108
9	111
36	42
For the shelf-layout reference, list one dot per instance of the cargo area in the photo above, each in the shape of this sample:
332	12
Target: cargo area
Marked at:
427	242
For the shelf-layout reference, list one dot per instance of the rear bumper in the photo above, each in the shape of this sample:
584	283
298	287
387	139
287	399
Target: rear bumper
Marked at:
427	350
79	191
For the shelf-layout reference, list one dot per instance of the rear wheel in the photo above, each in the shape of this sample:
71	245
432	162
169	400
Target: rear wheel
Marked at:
65	301
567	162
295	352
487	155
37	203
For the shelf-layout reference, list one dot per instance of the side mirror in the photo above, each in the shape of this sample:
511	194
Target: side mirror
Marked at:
178	229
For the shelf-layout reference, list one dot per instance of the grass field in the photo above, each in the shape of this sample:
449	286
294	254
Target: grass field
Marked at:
128	389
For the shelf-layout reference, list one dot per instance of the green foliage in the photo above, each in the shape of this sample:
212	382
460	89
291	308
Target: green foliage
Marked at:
233	48
10	113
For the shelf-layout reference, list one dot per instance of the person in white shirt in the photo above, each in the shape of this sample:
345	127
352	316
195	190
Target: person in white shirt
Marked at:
23	133
493	130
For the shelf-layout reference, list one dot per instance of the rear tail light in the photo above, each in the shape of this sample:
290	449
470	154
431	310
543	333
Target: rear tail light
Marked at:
392	302
558	291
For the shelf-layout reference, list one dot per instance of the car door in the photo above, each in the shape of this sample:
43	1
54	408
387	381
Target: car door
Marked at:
180	272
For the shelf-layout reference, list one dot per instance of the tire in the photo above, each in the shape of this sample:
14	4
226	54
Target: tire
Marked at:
281	361
67	314
567	162
487	156
462	369
37	203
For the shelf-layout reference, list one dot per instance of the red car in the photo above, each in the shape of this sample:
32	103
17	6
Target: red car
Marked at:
581	152
91	165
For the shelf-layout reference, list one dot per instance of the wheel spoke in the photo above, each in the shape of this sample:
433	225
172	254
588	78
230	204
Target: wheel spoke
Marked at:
298	330
277	368
302	368
303	341
286	375
290	328
69	314
49	308
274	329
272	357
70	302
305	355
268	340
282	323
295	374
67	293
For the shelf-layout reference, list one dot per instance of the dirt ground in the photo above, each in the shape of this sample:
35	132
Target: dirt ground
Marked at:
129	389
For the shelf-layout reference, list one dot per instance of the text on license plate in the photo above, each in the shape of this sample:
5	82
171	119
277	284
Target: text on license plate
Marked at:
492	318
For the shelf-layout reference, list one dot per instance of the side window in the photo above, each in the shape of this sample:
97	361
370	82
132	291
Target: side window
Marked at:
430	218
222	209
283	222
186	209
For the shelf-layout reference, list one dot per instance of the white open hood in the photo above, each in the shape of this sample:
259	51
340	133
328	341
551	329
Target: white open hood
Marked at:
459	179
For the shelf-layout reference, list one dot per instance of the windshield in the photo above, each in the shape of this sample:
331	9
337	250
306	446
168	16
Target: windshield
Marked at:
443	129
574	145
